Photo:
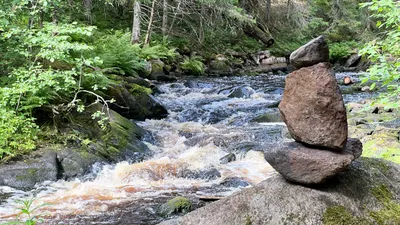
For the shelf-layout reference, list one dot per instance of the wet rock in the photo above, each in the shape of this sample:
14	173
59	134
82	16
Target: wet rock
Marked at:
30	170
208	174
241	92
313	108
301	164
135	102
220	66
235	182
366	89
228	158
353	60
175	206
363	195
166	78
312	53
272	117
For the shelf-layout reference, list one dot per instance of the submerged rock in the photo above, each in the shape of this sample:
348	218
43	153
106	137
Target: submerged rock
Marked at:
314	52
309	166
272	117
313	108
367	193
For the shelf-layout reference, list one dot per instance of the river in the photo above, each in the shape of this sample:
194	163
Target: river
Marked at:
204	125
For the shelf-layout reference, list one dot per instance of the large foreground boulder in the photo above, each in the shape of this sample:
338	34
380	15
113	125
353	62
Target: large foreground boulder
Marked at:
367	193
313	109
312	53
309	166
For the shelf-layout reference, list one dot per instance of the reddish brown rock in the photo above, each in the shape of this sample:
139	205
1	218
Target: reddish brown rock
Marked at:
301	164
313	109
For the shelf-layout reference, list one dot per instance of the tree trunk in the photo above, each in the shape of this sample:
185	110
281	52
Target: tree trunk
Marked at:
88	5
268	10
54	16
136	23
165	18
258	33
289	6
148	33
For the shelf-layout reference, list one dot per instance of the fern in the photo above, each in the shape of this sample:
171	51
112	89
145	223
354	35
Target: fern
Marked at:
193	66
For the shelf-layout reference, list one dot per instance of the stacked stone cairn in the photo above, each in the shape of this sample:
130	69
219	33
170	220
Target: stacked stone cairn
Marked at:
313	109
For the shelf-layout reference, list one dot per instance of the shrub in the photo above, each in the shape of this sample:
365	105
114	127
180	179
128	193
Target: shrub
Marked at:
193	66
17	133
116	50
339	51
384	52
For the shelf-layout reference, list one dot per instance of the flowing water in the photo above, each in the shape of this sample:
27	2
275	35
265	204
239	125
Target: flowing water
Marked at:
204	125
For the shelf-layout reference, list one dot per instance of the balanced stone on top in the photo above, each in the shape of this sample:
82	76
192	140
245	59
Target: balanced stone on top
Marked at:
312	53
313	109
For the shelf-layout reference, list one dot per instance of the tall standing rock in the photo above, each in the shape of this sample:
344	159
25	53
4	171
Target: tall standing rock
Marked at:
312	53
313	109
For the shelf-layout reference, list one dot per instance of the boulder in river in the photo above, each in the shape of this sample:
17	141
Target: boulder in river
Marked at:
241	92
134	102
313	109
301	164
312	53
353	60
367	193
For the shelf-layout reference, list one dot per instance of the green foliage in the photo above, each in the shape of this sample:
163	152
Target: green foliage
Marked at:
339	51
34	75
17	133
28	209
385	51
193	66
116	51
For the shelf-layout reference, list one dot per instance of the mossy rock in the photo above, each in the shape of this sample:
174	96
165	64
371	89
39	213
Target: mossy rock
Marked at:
135	101
176	205
368	192
221	67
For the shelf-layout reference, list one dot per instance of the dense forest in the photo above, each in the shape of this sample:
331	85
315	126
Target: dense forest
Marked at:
57	56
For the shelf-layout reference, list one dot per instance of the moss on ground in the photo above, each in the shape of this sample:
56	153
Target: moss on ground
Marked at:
390	213
339	215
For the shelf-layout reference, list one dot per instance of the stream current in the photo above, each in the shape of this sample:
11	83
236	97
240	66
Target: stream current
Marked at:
204	125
